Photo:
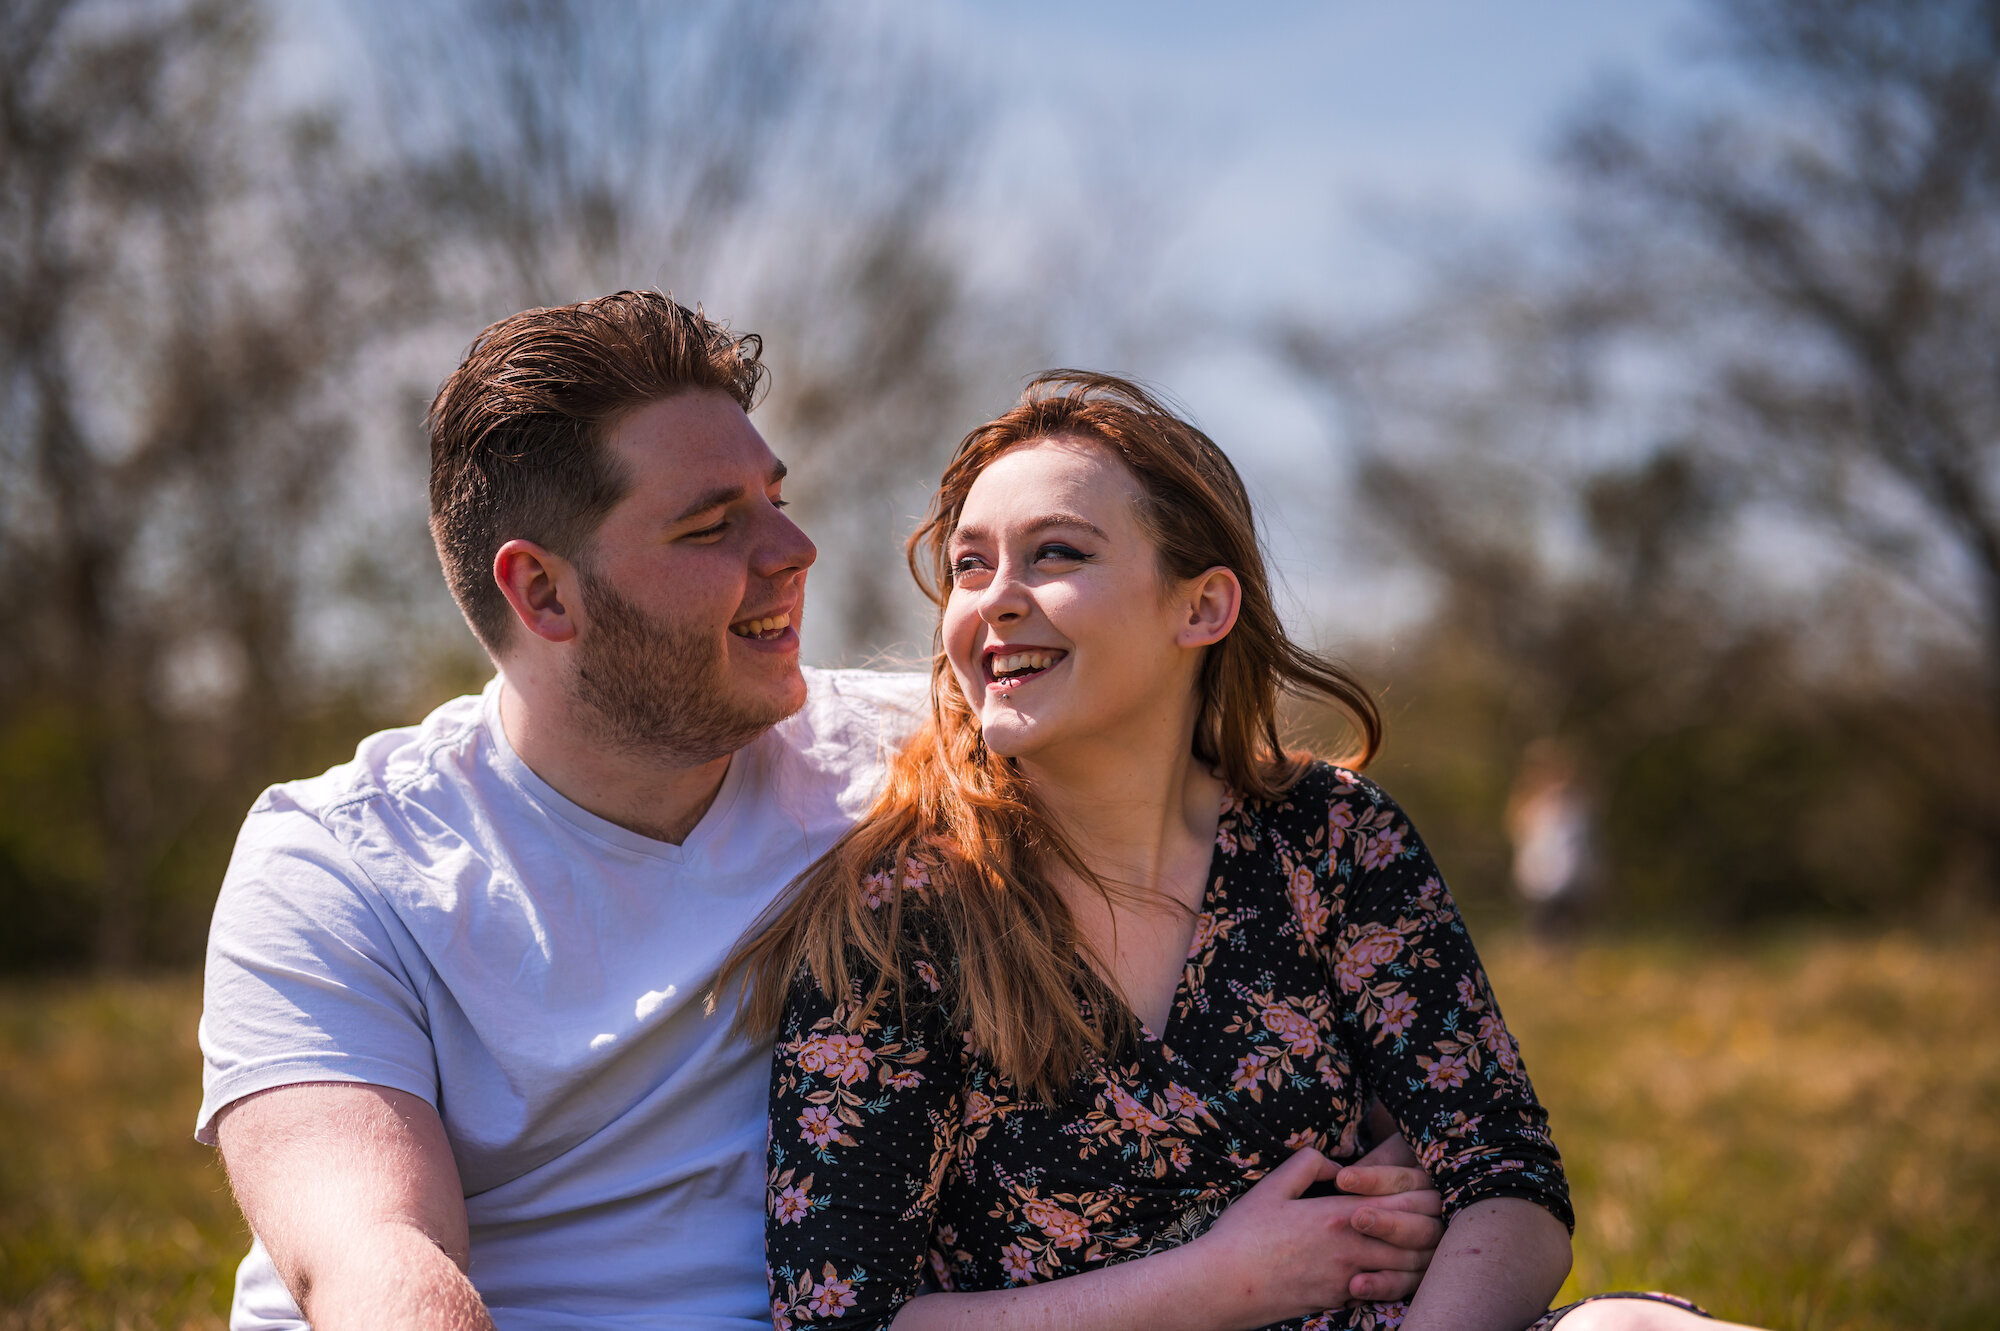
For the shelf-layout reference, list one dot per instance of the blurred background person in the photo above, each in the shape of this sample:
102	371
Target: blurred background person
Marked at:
1549	822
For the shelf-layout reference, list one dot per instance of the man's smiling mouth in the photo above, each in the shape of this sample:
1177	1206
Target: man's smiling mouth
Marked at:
763	630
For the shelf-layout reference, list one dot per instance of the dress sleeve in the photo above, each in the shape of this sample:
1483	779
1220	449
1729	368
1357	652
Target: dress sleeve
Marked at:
864	1125
1421	1017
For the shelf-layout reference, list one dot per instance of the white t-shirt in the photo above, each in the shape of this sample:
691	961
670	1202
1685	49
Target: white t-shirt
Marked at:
434	917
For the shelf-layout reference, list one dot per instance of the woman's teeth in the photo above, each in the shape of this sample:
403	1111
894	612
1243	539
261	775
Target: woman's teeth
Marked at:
762	628
1018	662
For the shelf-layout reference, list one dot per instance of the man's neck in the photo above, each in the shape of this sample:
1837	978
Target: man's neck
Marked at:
642	793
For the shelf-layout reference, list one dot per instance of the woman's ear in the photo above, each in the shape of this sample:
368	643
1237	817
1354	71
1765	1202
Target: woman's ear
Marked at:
533	581
1212	600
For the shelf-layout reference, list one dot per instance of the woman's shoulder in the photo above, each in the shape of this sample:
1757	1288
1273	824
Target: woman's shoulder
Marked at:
1322	786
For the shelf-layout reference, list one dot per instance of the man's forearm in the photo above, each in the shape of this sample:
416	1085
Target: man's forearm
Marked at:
1500	1263
1163	1292
388	1278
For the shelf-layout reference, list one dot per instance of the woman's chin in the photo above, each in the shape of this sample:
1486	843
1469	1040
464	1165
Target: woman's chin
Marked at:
1010	736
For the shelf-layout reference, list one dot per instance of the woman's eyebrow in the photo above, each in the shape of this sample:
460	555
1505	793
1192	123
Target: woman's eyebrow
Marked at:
971	532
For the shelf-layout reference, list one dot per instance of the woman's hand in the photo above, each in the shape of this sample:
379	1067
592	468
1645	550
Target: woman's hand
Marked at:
1276	1254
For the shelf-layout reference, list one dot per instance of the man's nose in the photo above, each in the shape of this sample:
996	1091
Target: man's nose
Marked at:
784	549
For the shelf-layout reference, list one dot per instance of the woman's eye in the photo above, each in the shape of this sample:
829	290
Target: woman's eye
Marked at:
1057	550
965	564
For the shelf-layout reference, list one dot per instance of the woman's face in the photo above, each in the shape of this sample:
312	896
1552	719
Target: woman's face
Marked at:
1059	624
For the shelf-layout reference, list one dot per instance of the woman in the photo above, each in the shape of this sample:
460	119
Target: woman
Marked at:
1105	955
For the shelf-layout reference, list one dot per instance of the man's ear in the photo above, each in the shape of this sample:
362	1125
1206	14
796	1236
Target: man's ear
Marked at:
1212	600
539	586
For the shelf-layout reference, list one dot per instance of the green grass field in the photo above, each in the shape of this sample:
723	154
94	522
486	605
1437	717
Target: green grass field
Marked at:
1803	1134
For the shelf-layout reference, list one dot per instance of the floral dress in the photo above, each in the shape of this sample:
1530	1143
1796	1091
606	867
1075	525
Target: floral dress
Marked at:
1328	964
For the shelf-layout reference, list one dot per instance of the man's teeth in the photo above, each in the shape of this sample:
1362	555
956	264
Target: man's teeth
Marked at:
1019	661
757	628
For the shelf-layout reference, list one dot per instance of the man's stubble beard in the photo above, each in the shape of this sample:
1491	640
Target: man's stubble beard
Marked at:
659	689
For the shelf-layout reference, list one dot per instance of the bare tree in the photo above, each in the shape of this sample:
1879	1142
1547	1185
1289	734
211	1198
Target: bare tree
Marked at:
796	170
1828	254
180	280
1775	306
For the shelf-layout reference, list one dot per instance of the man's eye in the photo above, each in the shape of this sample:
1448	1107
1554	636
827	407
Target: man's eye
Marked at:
781	503
716	530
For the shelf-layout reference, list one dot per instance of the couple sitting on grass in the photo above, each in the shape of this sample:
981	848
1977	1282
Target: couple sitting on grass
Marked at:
1093	1005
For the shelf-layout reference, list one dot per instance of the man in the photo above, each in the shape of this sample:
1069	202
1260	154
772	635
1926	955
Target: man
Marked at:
457	1058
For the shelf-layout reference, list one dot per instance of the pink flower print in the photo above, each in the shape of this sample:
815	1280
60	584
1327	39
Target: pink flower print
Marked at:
1298	1033
978	1107
791	1205
1468	992
1376	945
1445	1073
915	876
1065	1229
1179	1156
1303	1137
1398	1011
1183	1103
832	1298
1132	1115
875	889
1018	1263
1205	932
781	1320
1383	848
928	974
1306	904
1431	895
901	1079
1249	1071
819	1126
1493	1034
1339	821
947	1237
845	1058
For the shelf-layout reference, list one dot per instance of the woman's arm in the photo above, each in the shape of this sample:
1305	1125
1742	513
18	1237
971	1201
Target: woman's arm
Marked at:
1271	1256
1429	1037
1501	1262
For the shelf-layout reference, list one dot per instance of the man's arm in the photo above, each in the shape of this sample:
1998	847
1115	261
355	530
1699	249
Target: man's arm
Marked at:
354	1193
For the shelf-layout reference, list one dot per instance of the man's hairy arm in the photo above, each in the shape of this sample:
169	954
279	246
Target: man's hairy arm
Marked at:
354	1193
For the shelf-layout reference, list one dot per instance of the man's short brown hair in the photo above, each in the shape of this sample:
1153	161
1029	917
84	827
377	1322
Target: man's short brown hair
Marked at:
517	431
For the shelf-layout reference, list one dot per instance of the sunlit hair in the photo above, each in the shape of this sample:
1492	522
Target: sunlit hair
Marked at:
989	843
517	431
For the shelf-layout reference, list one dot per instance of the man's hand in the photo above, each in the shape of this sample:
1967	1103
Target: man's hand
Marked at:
354	1193
1287	1255
1389	1171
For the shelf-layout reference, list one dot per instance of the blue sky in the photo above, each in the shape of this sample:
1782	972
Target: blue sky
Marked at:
1296	148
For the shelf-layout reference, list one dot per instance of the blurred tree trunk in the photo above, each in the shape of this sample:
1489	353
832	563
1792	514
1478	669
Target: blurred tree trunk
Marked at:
180	275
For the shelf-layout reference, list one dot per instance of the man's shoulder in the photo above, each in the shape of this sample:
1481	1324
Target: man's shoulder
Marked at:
859	706
389	763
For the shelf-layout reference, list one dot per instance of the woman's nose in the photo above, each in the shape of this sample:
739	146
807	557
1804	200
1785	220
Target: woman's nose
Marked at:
1006	599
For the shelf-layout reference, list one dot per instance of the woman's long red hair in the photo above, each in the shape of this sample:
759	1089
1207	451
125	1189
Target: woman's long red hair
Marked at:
988	844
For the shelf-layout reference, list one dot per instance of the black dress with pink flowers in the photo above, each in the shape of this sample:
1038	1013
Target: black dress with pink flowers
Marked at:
1329	963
